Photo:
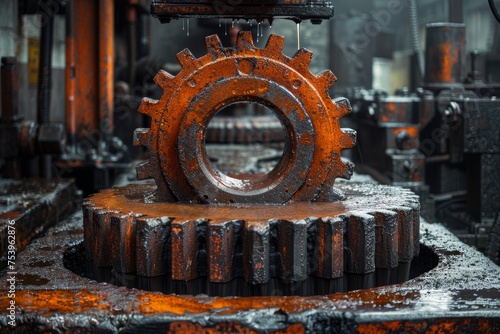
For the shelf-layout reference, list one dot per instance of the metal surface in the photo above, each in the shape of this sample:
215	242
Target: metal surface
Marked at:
460	294
90	79
244	130
260	10
375	227
106	54
311	160
20	139
10	118
445	55
34	206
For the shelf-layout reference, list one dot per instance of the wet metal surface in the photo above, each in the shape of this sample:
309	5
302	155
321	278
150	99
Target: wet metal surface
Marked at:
261	10
445	54
375	227
34	206
460	294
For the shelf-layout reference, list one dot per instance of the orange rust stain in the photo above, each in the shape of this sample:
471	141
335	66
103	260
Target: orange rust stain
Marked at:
60	301
10	215
449	58
306	139
445	74
185	327
412	131
321	246
150	304
439	326
108	199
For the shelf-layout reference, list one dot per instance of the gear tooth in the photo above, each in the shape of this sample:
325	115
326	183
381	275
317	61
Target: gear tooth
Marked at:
143	170
343	105
147	106
386	242
163	79
330	247
348	138
244	41
326	79
185	58
152	257
142	137
405	223
102	232
213	43
275	45
301	60
256	252
348	169
293	249
360	239
220	241
184	249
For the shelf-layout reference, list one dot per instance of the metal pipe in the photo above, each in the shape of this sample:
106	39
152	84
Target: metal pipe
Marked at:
444	53
132	39
70	79
415	35
10	111
106	65
456	11
44	85
45	70
10	100
86	74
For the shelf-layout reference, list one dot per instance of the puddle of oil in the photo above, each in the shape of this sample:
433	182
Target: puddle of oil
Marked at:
31	279
41	264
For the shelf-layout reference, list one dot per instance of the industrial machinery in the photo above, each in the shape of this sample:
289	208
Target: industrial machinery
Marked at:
440	141
185	245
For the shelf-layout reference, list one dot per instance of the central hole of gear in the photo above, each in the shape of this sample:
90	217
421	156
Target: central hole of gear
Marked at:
245	140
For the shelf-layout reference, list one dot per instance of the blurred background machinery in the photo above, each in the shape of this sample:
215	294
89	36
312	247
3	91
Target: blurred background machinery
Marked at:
423	77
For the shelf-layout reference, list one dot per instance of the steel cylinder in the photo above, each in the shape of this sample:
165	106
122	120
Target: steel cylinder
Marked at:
444	53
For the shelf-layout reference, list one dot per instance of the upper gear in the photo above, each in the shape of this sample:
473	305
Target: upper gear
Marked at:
311	160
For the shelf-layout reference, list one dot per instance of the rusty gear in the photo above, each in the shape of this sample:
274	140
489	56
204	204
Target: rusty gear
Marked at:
376	227
311	160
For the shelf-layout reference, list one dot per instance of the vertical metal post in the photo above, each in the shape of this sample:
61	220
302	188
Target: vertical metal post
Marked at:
44	85
106	65
86	73
10	112
70	79
456	11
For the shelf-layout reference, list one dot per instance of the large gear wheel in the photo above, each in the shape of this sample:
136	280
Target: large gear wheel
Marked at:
375	227
311	160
